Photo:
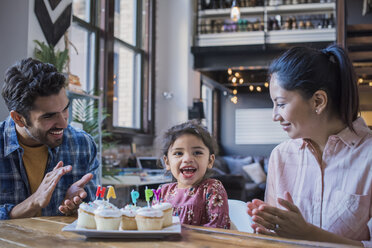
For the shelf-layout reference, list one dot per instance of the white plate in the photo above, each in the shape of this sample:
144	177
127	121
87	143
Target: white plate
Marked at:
174	229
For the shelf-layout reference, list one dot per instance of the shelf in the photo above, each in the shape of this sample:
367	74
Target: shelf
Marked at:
301	8
272	37
230	39
300	36
280	9
226	12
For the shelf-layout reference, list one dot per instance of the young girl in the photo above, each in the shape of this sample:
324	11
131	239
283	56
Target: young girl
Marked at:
189	152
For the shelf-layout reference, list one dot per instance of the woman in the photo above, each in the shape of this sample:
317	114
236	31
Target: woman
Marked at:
320	181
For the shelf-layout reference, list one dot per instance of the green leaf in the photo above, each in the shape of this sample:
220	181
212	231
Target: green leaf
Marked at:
47	54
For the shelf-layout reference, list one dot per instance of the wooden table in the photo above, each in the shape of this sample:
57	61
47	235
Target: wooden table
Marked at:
46	232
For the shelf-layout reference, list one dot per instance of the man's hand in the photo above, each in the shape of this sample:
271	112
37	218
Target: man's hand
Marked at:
45	191
41	198
75	195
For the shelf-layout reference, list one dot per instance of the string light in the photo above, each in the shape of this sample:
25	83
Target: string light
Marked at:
234	99
258	88
235	91
237	74
229	71
241	81
251	87
233	80
266	84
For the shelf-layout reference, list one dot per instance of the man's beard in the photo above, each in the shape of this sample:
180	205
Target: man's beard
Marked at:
42	141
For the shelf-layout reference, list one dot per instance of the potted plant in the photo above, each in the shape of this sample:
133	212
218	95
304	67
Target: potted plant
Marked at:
48	54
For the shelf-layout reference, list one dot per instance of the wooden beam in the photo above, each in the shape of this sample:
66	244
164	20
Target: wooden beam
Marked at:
341	23
361	40
365	55
359	28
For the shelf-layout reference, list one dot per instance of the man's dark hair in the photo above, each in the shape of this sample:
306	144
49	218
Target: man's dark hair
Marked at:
27	80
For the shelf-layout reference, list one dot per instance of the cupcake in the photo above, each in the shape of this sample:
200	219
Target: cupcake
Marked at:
167	209
128	221
149	219
86	215
103	203
107	217
132	207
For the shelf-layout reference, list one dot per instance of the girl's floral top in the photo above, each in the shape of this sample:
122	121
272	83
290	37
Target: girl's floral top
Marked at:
202	205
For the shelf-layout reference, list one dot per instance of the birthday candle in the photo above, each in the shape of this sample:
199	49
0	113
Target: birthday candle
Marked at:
148	194
134	194
100	191
110	193
157	194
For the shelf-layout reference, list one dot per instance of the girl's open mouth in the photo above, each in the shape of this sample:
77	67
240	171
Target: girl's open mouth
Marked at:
188	171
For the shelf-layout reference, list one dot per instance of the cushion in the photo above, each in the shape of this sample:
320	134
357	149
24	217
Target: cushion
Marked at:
255	172
235	164
220	165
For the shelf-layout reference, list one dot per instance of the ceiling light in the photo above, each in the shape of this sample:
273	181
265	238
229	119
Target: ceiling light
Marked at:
235	11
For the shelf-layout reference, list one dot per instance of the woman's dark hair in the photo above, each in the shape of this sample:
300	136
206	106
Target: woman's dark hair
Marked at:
308	70
192	127
27	80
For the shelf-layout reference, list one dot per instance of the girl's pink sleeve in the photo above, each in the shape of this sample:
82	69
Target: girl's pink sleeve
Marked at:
217	206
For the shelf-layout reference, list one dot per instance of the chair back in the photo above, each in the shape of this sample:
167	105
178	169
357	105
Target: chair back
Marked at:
239	216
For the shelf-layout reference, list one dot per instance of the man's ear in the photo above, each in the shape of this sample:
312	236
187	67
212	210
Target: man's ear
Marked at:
320	98
18	118
211	161
166	162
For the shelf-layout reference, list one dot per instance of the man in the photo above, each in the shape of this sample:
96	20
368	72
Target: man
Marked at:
46	166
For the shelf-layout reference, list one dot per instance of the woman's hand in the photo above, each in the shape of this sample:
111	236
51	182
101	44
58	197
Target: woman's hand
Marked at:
286	223
255	204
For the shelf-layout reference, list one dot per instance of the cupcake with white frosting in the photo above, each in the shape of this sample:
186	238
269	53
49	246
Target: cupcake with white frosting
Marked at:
149	219
103	203
107	217
86	215
167	209
132	207
128	220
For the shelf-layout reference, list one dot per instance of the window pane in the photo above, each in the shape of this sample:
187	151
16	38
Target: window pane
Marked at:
145	26
207	95
127	88
125	20
82	59
81	9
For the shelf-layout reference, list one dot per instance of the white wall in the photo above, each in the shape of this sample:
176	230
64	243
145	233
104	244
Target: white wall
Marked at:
174	61
18	28
13	41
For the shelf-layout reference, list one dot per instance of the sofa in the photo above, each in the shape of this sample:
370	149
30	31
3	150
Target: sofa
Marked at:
244	177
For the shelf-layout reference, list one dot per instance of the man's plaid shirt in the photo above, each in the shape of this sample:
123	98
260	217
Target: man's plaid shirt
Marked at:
77	149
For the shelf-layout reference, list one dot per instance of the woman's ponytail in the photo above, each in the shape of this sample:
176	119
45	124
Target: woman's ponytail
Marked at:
348	102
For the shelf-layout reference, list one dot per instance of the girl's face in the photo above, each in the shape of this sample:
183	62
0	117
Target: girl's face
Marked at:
188	159
295	114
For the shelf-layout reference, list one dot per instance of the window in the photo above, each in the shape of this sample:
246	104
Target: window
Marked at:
113	43
207	96
128	66
83	38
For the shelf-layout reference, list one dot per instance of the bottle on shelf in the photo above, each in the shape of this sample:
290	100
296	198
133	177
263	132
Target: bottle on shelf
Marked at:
205	4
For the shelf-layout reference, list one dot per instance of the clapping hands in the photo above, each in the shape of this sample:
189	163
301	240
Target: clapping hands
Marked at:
75	195
273	221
